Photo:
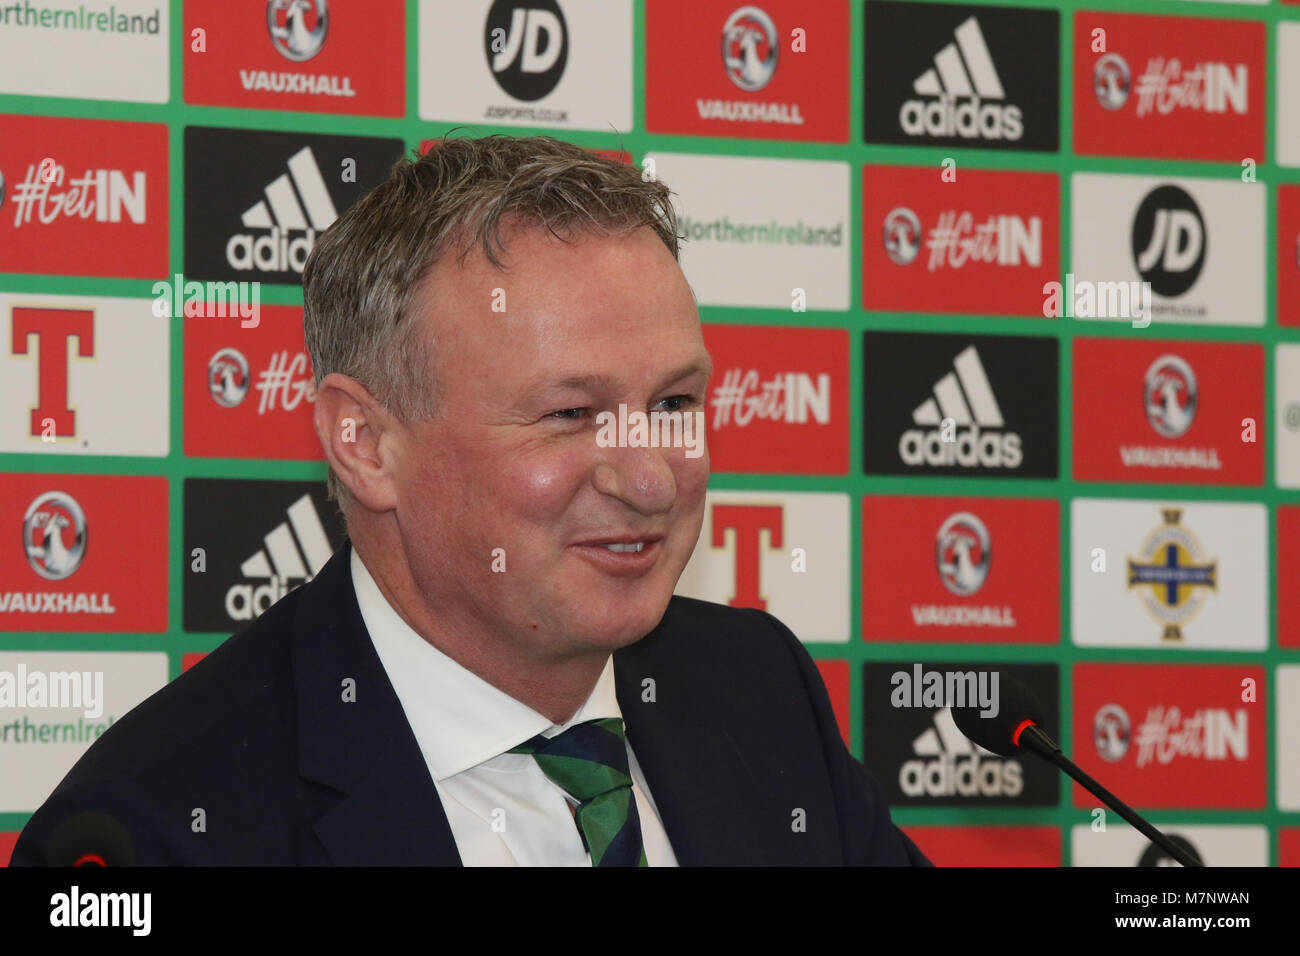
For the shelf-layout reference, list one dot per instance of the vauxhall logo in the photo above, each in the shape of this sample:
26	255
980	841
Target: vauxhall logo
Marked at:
749	48
1111	81
1169	240
963	552
54	535
297	27
1169	395
527	46
902	235
953	96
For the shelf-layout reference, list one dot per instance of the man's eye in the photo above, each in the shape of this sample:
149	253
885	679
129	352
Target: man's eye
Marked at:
682	402
568	413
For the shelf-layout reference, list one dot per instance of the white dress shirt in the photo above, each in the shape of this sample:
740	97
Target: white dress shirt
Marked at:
502	809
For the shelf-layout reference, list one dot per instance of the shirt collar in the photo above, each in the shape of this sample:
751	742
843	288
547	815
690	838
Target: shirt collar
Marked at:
459	719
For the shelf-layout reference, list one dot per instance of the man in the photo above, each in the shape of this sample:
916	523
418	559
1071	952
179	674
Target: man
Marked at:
494	670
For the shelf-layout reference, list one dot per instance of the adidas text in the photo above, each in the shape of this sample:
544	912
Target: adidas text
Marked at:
971	449
971	119
244	602
947	776
273	251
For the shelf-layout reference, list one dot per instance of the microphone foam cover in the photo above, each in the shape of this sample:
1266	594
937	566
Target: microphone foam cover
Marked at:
1016	704
90	833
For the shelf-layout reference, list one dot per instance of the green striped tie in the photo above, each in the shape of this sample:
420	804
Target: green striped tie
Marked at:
589	762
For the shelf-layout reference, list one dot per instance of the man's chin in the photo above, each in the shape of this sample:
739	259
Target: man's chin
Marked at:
618	625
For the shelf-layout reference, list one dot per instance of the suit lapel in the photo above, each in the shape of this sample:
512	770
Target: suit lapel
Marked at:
389	812
707	798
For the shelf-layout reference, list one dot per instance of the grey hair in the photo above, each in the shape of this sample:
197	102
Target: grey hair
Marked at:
361	279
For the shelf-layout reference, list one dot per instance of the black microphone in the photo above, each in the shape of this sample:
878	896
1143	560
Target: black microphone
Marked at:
1016	728
90	838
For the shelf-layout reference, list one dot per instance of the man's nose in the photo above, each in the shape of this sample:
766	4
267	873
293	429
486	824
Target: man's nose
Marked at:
640	477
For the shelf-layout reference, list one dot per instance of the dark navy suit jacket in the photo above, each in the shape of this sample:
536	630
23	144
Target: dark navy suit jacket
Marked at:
738	739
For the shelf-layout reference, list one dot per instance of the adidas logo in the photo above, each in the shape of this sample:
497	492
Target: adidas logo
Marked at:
962	76
962	405
949	765
281	560
296	202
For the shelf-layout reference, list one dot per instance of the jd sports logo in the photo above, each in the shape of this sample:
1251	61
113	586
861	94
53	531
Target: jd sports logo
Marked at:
527	46
960	74
959	405
256	202
249	544
1169	241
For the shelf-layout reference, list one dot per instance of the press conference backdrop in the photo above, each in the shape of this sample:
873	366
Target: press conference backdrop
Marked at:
1004	301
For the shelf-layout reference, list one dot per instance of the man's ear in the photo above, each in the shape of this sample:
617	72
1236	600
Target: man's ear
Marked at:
356	432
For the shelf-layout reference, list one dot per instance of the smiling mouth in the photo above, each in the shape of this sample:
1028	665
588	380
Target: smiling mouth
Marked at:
631	558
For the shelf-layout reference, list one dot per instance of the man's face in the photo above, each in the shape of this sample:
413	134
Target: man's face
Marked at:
510	460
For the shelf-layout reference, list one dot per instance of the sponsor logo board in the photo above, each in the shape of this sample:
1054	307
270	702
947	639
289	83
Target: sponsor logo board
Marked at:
96	50
1174	736
46	739
327	56
1169	574
985	243
83	197
1173	87
761	233
256	201
947	404
83	375
922	759
1199	242
960	569
944	74
720	68
786	553
544	63
1165	411
249	393
1121	845
779	400
88	553
261	539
